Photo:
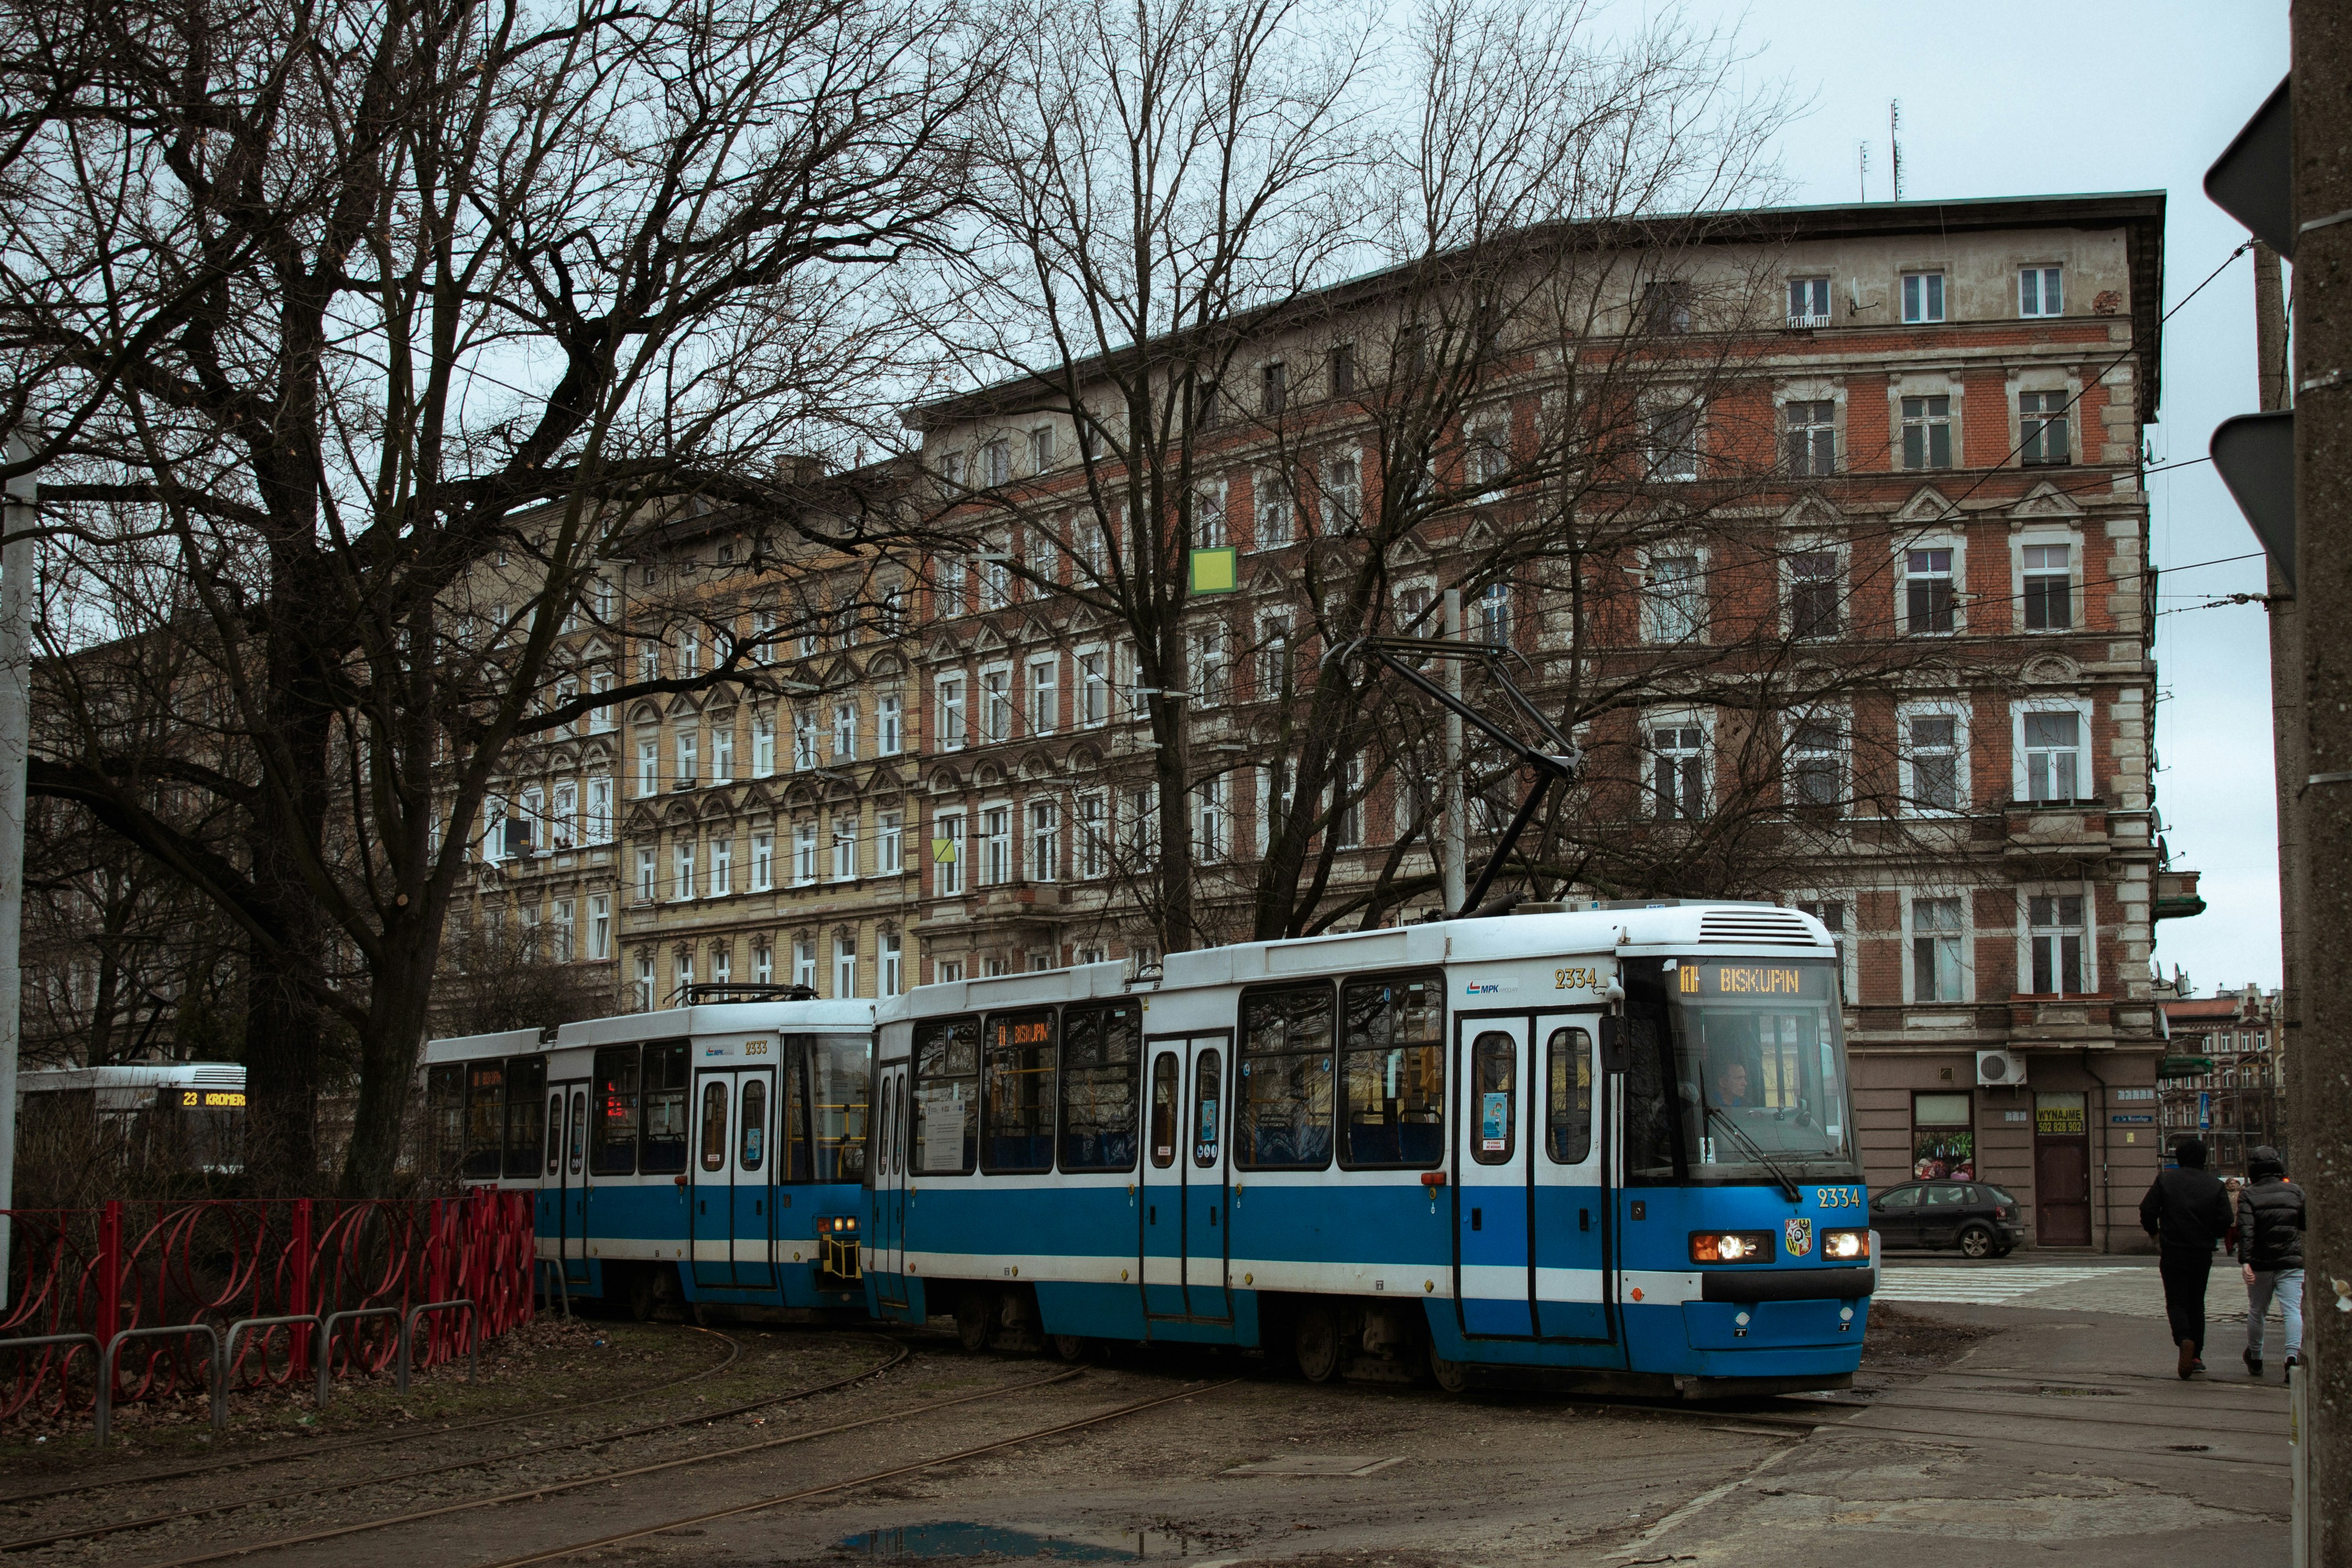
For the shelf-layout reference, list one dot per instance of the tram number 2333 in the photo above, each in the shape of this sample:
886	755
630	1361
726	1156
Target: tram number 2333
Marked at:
1578	979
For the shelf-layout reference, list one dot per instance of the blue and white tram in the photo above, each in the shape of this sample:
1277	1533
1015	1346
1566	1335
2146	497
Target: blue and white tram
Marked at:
711	1153
1612	1144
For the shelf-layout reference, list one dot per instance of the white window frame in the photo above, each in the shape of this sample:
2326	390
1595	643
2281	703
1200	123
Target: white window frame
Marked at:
890	724
1044	694
1665	620
763	862
722	751
2085	749
722	866
1212	672
891	964
1042	841
599	927
1840	752
1839	618
804	853
1963	939
1908	779
844	731
763	961
682	866
2070	539
1091	829
686	746
1678	719
1928	423
763	745
1486	452
950	846
1669	464
996	694
648	764
1926	296
1809	290
948	691
1277	510
2027	938
1959	577
2035	286
889	843
844	857
644	985
1092	708
1210	531
648	874
999	861
804	734
1341	493
1212	821
805	962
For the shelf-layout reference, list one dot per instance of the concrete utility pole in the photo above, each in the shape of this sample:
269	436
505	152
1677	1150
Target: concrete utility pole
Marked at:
2287	664
1453	862
16	732
2321	1024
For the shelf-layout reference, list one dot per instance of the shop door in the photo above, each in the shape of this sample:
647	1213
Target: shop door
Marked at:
1494	1285
2062	1171
1568	1165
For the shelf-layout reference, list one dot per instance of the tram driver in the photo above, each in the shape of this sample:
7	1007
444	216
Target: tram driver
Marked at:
1731	1084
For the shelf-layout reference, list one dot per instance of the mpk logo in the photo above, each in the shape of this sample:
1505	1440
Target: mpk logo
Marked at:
1798	1233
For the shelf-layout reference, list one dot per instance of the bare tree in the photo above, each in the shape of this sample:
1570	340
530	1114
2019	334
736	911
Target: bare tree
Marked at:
378	327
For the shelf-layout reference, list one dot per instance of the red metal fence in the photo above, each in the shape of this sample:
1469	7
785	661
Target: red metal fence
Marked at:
153	1265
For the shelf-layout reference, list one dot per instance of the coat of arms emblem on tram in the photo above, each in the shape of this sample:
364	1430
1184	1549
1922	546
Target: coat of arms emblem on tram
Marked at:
1799	1235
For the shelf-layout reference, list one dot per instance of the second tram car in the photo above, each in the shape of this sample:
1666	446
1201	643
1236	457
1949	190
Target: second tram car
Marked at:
711	1153
1613	1146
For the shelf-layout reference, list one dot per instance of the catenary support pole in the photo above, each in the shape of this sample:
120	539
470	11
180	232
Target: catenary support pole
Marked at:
2286	673
1455	863
2319	1029
16	728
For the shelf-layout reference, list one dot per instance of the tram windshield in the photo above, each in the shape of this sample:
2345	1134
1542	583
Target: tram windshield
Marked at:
1758	1065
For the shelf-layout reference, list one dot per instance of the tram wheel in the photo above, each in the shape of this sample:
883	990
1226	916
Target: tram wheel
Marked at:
973	1310
1070	1347
641	1294
1315	1343
1452	1376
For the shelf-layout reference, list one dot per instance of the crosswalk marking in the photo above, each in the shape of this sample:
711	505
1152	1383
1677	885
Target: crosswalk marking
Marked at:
1980	1287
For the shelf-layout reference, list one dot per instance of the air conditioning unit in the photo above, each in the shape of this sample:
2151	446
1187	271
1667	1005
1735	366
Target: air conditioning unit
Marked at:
1999	1070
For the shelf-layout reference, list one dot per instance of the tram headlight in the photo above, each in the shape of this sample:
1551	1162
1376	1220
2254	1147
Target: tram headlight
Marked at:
1845	1245
1731	1246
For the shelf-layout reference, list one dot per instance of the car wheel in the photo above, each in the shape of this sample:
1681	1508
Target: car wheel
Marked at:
973	1310
1976	1241
1315	1343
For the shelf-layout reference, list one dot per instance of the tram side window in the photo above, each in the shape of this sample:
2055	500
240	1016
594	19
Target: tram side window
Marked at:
1207	1086
614	1152
1284	1120
663	1143
946	1096
485	1119
1100	1052
1649	1124
1568	1097
754	1114
1493	1089
1016	1104
795	1156
579	1127
554	1134
526	1087
714	1124
1164	1091
445	1100
1394	1070
842	1066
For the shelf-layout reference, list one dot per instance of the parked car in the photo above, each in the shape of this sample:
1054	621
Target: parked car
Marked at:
1981	1219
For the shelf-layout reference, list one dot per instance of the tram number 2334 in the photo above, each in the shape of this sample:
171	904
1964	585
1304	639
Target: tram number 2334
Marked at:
1578	979
1838	1197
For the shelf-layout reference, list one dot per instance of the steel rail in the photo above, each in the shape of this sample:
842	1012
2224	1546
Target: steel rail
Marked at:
344	1445
702	1417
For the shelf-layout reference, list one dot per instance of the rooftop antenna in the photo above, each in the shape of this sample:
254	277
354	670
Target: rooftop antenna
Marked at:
1894	143
1862	169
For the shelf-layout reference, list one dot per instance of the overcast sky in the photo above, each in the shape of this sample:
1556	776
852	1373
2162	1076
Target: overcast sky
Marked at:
2001	99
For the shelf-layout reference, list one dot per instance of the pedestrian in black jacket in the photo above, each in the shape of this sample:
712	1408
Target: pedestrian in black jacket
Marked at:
2270	1253
2189	1213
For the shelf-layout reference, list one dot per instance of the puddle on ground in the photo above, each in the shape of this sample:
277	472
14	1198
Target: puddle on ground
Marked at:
959	1538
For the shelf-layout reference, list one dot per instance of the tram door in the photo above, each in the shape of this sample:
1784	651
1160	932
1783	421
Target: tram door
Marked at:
1568	1168
731	1227
1182	1193
887	1244
1493	1272
567	1122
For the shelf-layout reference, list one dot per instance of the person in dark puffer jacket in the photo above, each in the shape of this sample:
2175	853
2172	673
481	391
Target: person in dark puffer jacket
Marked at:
2188	1213
2270	1253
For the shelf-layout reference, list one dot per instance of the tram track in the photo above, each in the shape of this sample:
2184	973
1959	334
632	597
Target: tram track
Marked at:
614	1476
899	1353
734	1353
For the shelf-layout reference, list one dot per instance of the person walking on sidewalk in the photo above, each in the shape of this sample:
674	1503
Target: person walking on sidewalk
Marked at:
2188	1213
2270	1253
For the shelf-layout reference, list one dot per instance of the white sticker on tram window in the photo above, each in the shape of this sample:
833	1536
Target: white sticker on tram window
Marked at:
942	1106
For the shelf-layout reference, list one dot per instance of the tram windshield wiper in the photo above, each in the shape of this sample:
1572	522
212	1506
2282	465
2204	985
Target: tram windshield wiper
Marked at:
1788	1186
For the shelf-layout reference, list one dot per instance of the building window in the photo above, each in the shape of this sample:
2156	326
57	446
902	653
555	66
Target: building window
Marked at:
685	867
764	862
995	845
599	820
1208	681
1932	751
2041	426
1927	432
1830	913
2040	291
1347	804
562	948
1272	654
950	696
893	963
599	927
1209	844
1044	841
2048	588
1673	443
803	739
1486	458
889	725
845	849
805	963
1935	970
1343	493
1094	690
2055	934
1041	449
649	766
995	707
844	966
1676	599
722	867
889	843
1273	509
1943	1137
1343	369
1490	615
1813	595
946	853
763	963
1927	601
996	463
722	964
689	744
644	985
1045	695
1666	307
722	752
1816	765
1208	516
1809	439
845	731
1094	845
1272	388
1678	776
1808	302
763	745
646	875
1923	297
803	854
2054	767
